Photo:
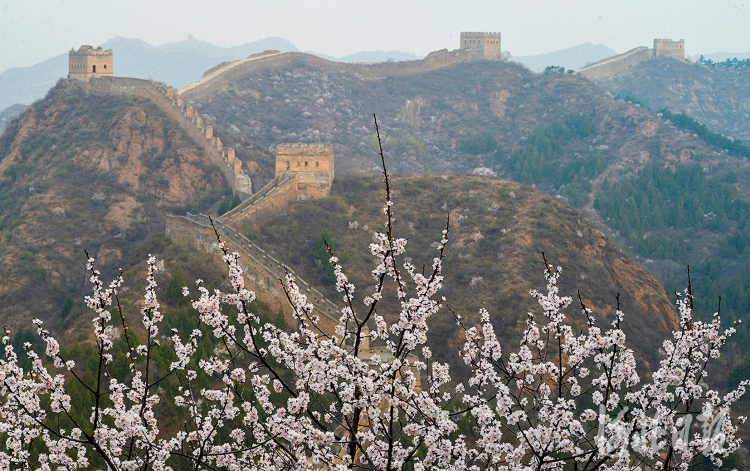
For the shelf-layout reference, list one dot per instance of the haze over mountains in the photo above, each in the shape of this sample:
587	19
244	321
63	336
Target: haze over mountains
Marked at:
176	64
182	62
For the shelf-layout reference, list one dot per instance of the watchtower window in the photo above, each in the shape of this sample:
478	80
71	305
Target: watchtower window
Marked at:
94	69
317	164
105	66
305	163
287	165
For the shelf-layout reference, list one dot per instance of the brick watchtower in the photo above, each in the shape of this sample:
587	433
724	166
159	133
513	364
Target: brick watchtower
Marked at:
88	62
482	45
669	48
311	166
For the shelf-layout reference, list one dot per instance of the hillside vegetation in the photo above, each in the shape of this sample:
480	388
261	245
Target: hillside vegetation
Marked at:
718	97
88	171
498	231
557	132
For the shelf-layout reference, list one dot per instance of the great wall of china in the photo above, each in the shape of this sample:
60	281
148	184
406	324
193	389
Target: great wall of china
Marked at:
302	170
188	118
263	272
612	65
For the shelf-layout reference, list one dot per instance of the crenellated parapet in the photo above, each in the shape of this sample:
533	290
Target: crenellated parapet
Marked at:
221	155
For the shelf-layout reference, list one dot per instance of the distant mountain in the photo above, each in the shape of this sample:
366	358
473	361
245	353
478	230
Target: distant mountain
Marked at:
571	58
722	56
25	85
7	115
176	63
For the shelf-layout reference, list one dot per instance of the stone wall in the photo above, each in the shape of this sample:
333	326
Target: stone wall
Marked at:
231	166
612	65
435	60
303	171
669	48
88	62
271	199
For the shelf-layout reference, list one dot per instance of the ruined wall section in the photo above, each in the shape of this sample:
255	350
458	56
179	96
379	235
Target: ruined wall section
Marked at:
262	271
88	62
669	48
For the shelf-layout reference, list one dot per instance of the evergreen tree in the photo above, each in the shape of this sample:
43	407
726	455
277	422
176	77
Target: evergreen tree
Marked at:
174	290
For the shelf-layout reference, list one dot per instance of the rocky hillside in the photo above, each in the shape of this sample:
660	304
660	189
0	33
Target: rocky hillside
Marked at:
716	96
83	170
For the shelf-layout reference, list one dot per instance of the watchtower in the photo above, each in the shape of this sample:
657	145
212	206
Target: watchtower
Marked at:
482	45
311	165
88	62
669	48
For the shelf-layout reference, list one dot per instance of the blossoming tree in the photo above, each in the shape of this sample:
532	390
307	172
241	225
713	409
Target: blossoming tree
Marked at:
308	399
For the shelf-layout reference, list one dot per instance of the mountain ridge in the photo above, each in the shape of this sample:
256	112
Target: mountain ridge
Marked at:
112	162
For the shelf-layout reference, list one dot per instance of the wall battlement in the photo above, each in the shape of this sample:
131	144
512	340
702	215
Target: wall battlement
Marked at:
304	147
230	166
470	34
88	62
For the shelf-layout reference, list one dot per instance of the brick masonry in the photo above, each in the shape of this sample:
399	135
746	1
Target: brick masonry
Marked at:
88	62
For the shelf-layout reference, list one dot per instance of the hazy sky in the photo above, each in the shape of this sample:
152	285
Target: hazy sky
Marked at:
34	30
